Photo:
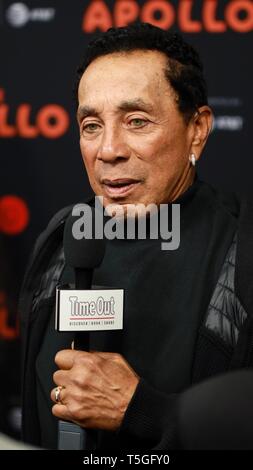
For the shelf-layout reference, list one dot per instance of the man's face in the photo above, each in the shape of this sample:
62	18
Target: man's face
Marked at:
134	142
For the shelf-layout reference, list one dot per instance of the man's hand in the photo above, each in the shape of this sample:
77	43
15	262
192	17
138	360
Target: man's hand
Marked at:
96	388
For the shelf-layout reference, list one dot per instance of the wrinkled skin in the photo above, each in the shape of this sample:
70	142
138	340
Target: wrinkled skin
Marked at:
97	388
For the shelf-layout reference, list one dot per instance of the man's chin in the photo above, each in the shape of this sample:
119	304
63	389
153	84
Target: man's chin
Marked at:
128	210
118	209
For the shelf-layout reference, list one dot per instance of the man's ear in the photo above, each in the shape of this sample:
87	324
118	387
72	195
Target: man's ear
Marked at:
202	125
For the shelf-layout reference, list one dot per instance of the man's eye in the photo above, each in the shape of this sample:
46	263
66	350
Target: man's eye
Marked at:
92	127
138	122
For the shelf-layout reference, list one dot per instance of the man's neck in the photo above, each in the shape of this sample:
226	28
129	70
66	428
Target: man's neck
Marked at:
185	182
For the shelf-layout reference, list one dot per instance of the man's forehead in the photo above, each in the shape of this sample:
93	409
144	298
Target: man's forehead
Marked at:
140	65
139	84
109	83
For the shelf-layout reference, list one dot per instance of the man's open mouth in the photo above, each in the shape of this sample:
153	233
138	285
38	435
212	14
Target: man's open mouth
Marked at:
119	187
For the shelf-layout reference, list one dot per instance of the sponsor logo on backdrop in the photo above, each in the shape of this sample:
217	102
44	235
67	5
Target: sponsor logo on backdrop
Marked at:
50	121
212	16
14	215
227	113
19	14
228	123
7	332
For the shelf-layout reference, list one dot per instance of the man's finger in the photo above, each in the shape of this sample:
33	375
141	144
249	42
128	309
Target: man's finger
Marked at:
61	378
64	359
61	411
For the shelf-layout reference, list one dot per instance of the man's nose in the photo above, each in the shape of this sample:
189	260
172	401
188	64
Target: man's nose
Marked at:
113	146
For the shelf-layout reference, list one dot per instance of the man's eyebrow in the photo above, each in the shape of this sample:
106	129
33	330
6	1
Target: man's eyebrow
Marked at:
129	105
136	105
84	111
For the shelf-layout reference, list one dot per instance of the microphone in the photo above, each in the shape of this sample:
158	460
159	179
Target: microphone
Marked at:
84	309
84	255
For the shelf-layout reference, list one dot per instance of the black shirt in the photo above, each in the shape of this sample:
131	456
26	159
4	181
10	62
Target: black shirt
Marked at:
166	296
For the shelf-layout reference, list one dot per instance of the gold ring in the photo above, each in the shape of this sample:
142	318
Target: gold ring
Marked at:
57	393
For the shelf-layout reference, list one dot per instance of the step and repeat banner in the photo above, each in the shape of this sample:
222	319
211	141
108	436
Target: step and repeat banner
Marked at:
41	44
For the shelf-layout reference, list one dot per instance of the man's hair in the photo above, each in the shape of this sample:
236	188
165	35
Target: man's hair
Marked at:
184	71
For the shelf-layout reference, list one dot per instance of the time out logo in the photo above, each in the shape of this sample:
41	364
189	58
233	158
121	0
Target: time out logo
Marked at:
191	16
50	121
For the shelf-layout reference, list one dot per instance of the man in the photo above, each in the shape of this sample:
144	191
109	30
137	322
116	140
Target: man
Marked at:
144	121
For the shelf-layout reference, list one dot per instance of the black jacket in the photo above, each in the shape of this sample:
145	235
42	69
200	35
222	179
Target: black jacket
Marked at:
224	342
